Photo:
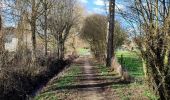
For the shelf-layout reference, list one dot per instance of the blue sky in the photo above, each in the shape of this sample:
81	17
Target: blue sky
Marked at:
94	6
100	6
97	6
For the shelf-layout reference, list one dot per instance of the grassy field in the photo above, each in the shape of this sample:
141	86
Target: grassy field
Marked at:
131	62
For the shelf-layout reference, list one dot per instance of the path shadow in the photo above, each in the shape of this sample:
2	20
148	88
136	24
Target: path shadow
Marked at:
88	87
89	77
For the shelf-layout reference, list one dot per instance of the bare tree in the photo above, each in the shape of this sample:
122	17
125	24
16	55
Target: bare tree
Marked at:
151	16
45	27
63	17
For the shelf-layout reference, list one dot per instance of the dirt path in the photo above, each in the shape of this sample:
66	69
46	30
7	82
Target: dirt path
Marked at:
90	93
84	83
89	84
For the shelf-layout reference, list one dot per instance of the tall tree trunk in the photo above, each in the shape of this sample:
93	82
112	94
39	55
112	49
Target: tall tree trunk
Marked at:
33	28
45	27
110	44
62	53
60	46
2	47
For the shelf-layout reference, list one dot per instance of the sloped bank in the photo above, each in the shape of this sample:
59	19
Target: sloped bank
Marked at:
20	85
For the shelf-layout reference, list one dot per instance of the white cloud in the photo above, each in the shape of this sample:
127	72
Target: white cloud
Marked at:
99	2
83	1
97	10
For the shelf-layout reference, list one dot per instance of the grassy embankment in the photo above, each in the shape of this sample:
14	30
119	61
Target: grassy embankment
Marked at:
136	90
49	92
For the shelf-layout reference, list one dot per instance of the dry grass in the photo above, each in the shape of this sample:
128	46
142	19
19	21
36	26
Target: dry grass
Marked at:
19	76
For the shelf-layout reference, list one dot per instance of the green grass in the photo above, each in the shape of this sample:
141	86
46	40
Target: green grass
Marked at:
134	65
131	62
46	96
138	89
68	79
82	51
150	95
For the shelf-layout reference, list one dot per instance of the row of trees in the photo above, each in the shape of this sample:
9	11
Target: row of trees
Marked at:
48	19
39	30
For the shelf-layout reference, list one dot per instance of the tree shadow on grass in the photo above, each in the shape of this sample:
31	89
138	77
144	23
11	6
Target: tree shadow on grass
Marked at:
87	87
